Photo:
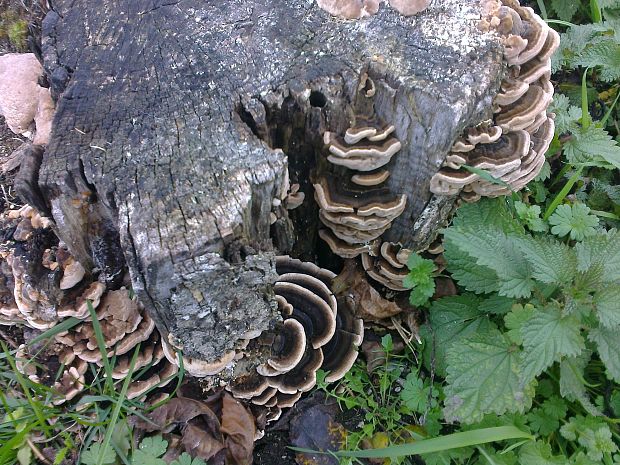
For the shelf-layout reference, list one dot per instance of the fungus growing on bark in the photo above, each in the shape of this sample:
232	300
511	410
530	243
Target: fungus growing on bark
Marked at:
316	332
513	151
364	155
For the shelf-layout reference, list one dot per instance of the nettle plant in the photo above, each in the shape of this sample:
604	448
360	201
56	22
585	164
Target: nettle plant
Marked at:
537	336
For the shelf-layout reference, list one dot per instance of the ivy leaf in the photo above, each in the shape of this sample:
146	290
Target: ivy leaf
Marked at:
574	220
91	455
551	261
483	377
547	337
608	346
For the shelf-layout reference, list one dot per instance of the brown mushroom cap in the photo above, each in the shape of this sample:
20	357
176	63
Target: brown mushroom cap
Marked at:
302	377
384	273
289	345
286	264
368	156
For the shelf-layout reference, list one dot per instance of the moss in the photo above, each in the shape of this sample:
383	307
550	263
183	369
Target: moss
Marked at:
14	29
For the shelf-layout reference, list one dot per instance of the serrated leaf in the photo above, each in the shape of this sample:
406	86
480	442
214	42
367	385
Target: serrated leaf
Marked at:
592	145
548	336
493	249
608	346
144	457
91	455
496	304
186	459
467	273
487	214
565	9
421	293
605	55
450	319
602	249
574	220
552	262
155	445
607	305
571	386
515	319
483	377
539	453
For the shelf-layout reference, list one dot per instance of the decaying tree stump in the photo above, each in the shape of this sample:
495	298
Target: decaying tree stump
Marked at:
177	122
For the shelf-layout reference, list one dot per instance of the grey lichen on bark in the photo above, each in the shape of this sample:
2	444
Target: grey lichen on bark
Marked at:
177	121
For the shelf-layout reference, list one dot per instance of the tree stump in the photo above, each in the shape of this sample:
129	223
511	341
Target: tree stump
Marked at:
179	122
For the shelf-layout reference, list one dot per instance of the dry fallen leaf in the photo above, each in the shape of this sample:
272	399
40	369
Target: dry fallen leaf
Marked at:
239	429
228	439
315	429
368	304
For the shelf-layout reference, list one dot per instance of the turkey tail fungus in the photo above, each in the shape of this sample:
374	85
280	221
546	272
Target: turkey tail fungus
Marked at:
198	146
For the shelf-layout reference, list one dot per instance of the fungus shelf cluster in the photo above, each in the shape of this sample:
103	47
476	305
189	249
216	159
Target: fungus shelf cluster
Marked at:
316	332
42	285
358	210
512	146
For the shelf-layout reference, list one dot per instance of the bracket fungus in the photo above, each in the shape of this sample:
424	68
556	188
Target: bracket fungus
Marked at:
512	148
316	332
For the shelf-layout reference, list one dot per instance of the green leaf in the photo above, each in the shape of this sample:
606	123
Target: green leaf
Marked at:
467	273
155	445
552	262
420	267
571	385
530	214
541	423
574	220
483	377
24	455
605	55
450	319
417	395
515	319
186	459
141	457
493	249
608	346
539	453
90	456
607	304
565	9
547	337
496	304
421	293
592	145
601	250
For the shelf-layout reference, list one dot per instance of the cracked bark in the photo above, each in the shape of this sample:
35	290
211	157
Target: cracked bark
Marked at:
176	123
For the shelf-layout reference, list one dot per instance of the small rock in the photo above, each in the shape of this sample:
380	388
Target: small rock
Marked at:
19	91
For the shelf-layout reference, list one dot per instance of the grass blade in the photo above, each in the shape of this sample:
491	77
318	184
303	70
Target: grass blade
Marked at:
563	193
427	446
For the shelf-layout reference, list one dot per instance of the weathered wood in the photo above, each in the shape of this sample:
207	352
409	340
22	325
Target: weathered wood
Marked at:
164	153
